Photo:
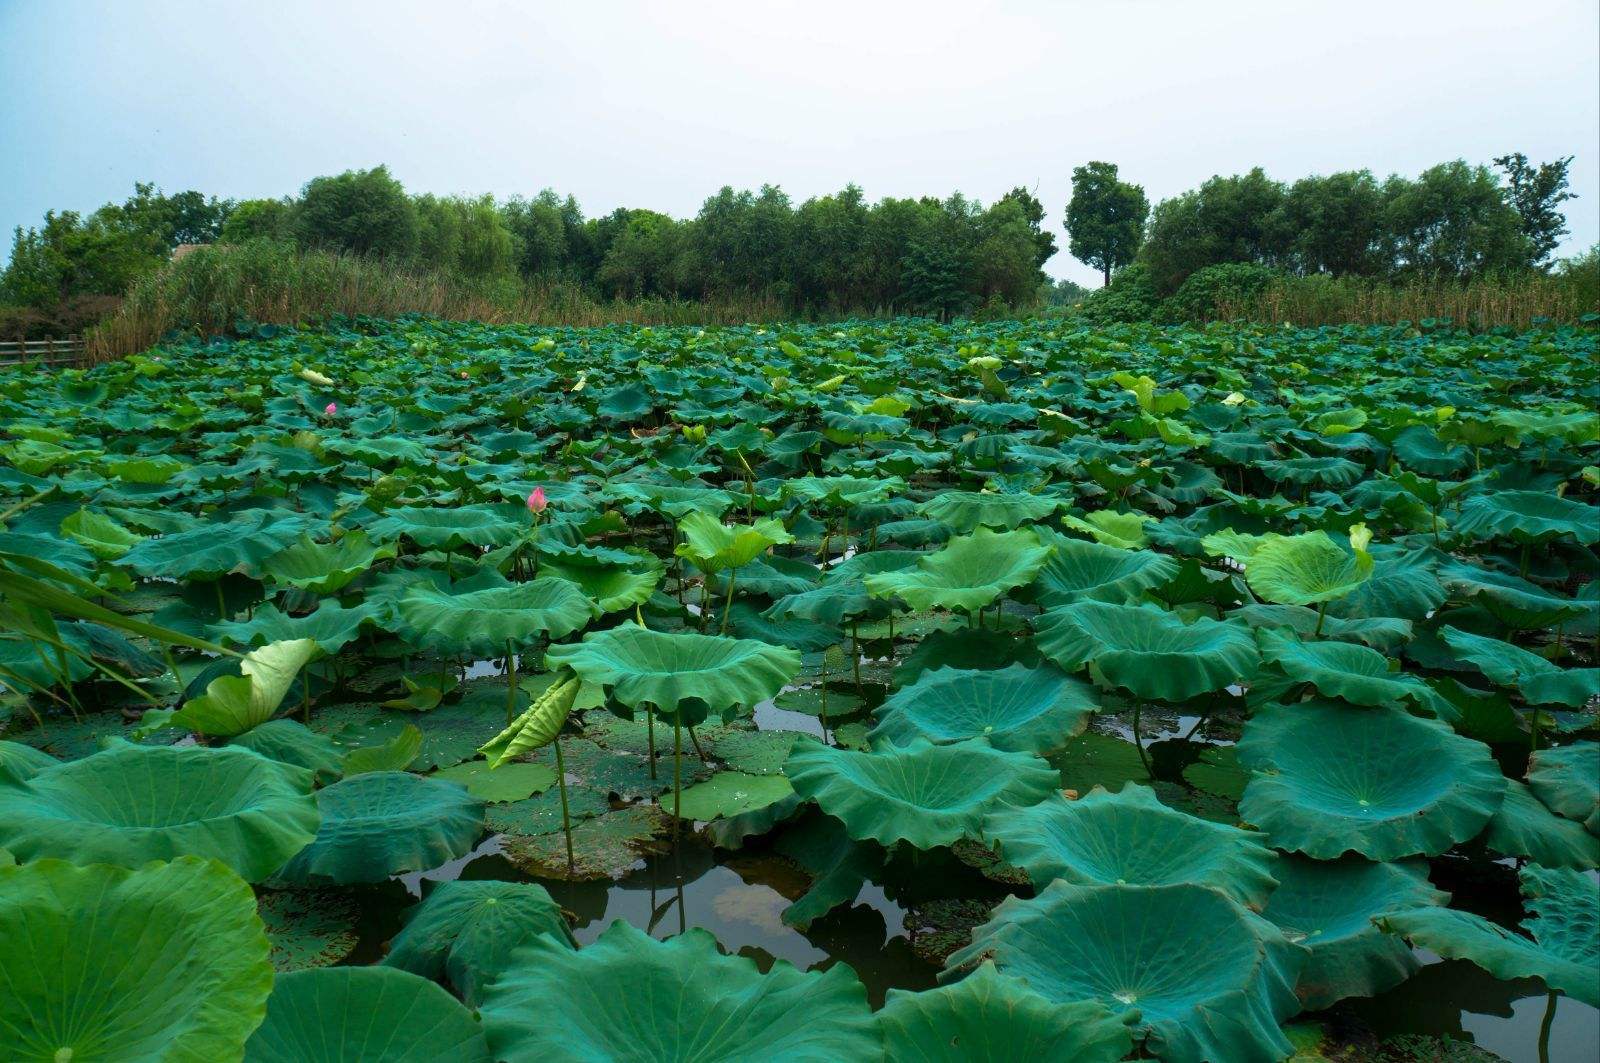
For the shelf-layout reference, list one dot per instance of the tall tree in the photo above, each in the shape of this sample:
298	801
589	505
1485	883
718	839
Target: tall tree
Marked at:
1105	217
1537	193
365	211
1453	221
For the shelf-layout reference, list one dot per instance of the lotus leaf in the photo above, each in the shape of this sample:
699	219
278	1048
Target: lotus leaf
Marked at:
1329	908
1207	978
1524	827
477	525
1343	670
466	931
633	999
1129	837
1567	779
1329	779
129	804
90	971
323	568
714	547
920	793
1306	569
232	704
1079	570
1148	650
344	1014
308	928
382	823
1031	710
474	619
965	511
969	573
990	1018
1564	948
728	793
1528	517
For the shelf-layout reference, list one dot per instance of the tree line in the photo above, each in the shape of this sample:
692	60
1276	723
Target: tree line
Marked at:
839	254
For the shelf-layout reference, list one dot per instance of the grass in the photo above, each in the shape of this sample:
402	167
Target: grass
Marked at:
1517	302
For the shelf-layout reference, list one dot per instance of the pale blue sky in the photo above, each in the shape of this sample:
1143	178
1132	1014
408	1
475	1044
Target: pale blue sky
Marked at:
658	104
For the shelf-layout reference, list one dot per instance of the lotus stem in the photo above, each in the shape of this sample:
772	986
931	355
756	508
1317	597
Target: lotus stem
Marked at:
650	736
677	777
1138	742
1544	1027
1322	612
511	684
305	698
855	654
561	782
696	741
222	605
727	609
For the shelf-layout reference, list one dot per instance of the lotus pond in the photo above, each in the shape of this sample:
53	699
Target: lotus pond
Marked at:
414	690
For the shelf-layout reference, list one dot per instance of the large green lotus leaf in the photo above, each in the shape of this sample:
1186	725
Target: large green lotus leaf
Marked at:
1328	907
486	525
468	619
628	998
713	547
19	762
1329	779
129	804
969	573
1564	948
829	605
292	742
309	928
771	575
1207	978
1121	531
1343	670
382	823
965	511
232	704
1381	633
1512	600
990	1018
922	794
1145	649
1031	710
361	1014
211	548
612	587
1567	779
727	793
1528	517
466	931
516	781
747	621
1541	682
1129	837
1525	828
331	626
164	964
99	534
323	568
1306	569
1402	585
1079	569
645	667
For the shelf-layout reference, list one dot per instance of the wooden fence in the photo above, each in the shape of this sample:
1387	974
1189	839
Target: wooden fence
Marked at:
42	352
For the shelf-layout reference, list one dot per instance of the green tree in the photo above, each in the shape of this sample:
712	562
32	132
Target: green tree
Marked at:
1105	217
1333	224
644	257
1536	193
254	219
1033	212
365	211
1226	219
1454	222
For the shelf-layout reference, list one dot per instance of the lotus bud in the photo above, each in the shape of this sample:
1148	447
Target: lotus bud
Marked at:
1360	536
330	409
537	503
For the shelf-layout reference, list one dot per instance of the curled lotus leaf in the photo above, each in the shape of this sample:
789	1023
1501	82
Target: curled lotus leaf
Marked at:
988	1016
1328	779
1079	569
342	1014
485	525
970	572
965	511
1030	710
467	930
323	568
1512	600
1344	670
645	667
1147	650
1525	828
1121	531
103	964
1528	517
1562	945
713	546
1306	569
474	619
232	704
1131	838
1541	682
923	794
383	823
1567	779
612	586
1207	978
1328	906
128	804
631	998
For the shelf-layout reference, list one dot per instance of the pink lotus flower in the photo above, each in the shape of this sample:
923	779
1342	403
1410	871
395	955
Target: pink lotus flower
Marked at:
537	503
330	409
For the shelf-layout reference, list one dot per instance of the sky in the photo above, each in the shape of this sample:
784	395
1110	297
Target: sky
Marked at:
654	104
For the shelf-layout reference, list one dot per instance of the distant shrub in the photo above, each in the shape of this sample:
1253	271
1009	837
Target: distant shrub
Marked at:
1205	292
1129	297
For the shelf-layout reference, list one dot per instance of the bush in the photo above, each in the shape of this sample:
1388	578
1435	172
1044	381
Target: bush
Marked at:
1205	292
1131	296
